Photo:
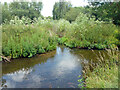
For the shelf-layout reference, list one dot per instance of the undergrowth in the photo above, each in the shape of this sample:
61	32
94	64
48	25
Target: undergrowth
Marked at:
104	73
25	37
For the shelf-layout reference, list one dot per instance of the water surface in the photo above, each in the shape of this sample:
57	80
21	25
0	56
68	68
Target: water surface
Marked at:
56	69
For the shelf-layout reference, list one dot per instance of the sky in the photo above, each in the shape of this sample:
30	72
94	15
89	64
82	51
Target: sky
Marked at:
48	5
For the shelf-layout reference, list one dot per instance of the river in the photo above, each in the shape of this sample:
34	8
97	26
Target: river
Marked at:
56	69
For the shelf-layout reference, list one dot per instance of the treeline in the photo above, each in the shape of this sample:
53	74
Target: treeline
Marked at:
27	9
102	11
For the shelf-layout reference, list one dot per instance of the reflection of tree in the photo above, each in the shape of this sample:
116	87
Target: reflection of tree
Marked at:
27	73
12	78
89	58
4	83
90	55
26	63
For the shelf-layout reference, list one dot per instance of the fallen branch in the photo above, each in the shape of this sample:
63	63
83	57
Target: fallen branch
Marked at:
5	59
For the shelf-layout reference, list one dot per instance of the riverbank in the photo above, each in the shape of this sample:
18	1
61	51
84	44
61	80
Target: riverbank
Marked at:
64	58
26	40
58	68
20	40
104	74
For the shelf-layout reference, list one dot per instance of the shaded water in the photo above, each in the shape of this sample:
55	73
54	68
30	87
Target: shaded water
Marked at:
56	69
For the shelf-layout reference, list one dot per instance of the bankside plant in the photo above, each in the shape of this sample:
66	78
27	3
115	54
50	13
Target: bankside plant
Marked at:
104	73
26	40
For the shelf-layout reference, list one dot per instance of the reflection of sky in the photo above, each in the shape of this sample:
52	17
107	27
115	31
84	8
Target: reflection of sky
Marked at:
19	76
63	66
66	63
16	77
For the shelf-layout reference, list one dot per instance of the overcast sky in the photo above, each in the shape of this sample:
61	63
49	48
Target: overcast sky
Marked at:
48	5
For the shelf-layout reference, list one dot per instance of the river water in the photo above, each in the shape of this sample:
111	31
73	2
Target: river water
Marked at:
56	69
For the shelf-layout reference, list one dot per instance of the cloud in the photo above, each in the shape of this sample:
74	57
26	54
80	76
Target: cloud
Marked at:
67	63
19	75
48	5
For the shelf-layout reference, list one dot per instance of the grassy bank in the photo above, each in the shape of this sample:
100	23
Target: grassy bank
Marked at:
88	33
104	78
25	37
26	40
104	73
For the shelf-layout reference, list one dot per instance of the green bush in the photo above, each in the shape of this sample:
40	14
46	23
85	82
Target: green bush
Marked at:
21	40
87	33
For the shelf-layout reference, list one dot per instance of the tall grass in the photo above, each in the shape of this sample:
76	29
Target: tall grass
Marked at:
25	37
22	39
0	42
88	33
104	74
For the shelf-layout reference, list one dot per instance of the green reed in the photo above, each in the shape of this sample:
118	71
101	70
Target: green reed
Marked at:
104	73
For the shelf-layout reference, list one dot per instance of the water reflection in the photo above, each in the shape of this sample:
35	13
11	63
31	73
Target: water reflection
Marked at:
16	77
58	50
67	62
58	68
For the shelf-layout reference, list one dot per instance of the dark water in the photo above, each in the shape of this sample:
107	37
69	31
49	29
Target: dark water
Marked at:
56	69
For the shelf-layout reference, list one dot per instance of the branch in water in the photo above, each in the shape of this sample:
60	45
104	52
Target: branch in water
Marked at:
5	58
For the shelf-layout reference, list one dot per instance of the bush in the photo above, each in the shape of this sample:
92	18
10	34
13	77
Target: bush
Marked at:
87	33
21	40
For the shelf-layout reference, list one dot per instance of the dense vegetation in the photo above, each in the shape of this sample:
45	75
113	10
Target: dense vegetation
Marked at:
102	11
60	9
26	33
103	74
21	40
106	11
27	9
85	33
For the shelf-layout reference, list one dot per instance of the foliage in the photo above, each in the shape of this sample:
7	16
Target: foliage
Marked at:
62	40
60	9
72	14
21	40
5	12
105	73
104	78
81	81
20	9
106	11
62	25
87	33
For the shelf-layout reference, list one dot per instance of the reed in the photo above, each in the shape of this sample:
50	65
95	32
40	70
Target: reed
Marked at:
104	73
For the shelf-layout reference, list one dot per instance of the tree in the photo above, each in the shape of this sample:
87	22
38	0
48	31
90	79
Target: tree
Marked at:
73	13
106	11
20	9
27	9
6	15
35	9
60	9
